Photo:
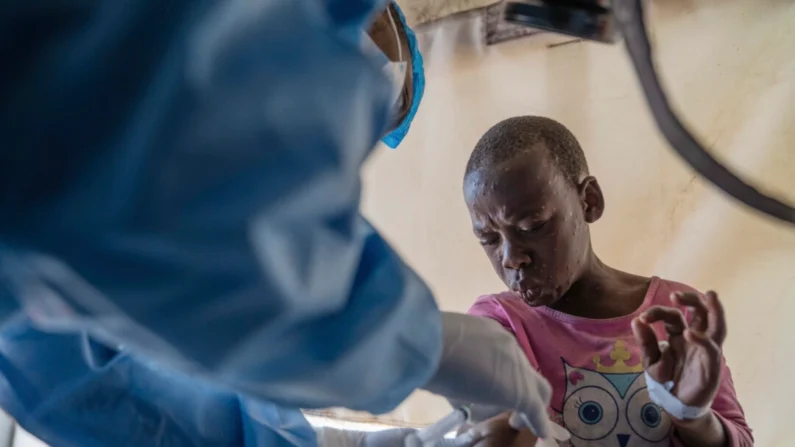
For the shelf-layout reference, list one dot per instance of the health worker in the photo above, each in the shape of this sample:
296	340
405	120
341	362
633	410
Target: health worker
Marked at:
183	261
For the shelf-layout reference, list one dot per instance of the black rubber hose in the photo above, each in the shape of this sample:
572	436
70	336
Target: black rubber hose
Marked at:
631	22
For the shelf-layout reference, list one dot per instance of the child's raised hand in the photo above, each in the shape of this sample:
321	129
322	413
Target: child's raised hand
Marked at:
692	358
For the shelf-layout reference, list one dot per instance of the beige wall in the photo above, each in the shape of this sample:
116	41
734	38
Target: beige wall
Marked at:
730	67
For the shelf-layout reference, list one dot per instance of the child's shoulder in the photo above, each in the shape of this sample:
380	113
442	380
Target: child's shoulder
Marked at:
664	287
507	308
498	297
662	290
500	306
494	300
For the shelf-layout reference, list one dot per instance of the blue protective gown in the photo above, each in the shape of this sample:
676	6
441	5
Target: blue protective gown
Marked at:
71	391
180	184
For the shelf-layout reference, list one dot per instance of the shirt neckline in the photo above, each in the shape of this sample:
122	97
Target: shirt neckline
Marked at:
647	300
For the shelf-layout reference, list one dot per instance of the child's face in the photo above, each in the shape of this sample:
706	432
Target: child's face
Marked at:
532	223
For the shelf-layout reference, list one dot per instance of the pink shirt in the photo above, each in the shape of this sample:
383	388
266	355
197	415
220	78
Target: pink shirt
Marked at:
594	366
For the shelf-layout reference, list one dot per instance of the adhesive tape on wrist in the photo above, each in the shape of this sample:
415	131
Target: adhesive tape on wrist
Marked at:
660	394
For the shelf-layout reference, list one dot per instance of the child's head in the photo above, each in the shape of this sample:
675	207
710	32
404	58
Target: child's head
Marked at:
531	199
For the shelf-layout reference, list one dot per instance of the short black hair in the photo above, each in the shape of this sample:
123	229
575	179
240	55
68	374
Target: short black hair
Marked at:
518	135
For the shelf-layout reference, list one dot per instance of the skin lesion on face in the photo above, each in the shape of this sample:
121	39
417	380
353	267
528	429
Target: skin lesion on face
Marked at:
533	224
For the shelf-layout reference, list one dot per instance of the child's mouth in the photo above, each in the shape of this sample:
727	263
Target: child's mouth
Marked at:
531	295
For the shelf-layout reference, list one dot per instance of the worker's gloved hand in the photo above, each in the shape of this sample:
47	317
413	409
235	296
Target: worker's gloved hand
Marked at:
483	364
332	437
386	438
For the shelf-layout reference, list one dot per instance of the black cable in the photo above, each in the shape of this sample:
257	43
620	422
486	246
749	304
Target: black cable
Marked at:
631	22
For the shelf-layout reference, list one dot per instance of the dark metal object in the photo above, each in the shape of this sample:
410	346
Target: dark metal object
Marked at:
497	30
598	20
592	20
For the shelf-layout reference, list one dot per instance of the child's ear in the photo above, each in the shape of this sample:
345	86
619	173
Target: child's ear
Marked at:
591	198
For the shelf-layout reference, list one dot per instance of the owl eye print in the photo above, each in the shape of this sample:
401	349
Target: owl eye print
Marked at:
612	409
591	413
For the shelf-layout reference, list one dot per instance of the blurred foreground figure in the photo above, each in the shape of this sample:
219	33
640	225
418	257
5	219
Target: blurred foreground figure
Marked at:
182	257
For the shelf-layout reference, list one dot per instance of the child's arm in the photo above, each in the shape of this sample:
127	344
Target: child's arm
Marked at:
497	432
692	359
706	431
727	417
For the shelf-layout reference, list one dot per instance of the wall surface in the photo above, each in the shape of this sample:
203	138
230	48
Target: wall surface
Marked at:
729	66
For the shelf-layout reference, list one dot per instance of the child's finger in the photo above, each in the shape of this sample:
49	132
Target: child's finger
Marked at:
673	318
716	318
699	338
705	342
696	304
647	340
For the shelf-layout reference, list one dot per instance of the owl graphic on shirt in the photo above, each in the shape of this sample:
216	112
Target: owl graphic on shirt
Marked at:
609	406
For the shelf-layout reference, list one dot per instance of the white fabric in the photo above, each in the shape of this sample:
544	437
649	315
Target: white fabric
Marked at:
22	438
7	426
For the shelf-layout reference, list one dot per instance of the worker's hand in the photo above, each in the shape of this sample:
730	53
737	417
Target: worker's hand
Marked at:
497	432
692	357
334	437
483	364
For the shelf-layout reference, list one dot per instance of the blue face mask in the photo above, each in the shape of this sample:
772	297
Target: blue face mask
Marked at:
393	138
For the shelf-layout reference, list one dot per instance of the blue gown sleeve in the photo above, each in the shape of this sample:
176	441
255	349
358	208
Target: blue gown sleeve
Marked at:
181	180
71	391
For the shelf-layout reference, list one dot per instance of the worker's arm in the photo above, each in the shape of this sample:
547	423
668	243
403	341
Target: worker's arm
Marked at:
183	181
335	437
497	432
181	178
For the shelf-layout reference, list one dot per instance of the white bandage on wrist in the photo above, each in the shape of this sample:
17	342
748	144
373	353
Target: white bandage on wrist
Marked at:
660	394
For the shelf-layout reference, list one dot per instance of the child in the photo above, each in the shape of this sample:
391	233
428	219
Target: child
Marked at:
589	328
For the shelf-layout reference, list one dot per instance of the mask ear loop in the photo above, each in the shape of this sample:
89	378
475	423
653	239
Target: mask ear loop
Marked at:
397	34
400	99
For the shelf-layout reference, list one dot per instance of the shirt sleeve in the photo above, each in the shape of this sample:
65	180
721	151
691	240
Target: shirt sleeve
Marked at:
488	307
728	409
504	311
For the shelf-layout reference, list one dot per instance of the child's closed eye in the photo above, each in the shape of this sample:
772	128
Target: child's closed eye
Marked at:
487	239
534	227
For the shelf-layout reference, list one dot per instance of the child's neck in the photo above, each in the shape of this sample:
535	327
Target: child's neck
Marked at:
603	292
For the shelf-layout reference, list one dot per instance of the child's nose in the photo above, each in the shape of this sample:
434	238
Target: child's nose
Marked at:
514	257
